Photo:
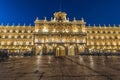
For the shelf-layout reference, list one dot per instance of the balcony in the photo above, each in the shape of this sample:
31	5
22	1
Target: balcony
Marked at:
61	33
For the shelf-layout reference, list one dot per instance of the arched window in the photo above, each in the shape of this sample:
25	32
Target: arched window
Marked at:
116	37
104	32
19	36
93	31
25	31
109	32
13	31
20	31
25	37
110	37
114	32
94	37
6	36
98	32
8	31
12	37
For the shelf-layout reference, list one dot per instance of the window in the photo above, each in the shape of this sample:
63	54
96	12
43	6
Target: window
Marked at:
98	31
93	31
19	36
108	32
20	31
25	31
6	36
104	32
25	37
13	31
30	36
8	31
116	37
114	32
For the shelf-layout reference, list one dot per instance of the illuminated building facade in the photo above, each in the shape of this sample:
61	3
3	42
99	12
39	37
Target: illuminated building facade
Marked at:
59	36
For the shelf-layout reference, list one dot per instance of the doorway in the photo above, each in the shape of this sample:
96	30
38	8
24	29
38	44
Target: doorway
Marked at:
71	50
60	51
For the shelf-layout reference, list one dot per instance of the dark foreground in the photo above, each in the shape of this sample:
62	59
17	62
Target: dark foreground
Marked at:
65	68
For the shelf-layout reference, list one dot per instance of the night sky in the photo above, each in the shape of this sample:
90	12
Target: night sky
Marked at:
93	11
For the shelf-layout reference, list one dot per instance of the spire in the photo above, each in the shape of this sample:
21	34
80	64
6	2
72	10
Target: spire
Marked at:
82	19
51	18
18	24
24	24
104	25
7	24
74	19
114	25
119	25
37	18
67	18
29	25
89	25
45	19
13	24
2	24
99	25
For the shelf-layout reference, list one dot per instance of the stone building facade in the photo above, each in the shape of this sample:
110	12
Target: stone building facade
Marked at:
59	36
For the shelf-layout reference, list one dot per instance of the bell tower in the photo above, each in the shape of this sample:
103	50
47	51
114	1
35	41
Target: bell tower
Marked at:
60	16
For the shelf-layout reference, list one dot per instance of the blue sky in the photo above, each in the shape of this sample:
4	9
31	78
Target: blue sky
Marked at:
94	11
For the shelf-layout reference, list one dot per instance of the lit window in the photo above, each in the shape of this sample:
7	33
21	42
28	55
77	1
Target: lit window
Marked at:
15	43
5	31
10	36
114	43
2	43
29	31
45	29
16	31
16	36
3	36
8	43
27	43
11	31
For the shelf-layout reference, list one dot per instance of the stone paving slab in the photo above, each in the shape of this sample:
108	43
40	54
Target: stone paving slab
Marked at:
64	68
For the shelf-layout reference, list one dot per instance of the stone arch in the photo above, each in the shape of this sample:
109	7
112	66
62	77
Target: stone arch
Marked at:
60	51
50	50
81	48
71	50
39	50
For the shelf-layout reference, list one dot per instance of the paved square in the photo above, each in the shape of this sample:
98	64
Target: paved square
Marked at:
61	68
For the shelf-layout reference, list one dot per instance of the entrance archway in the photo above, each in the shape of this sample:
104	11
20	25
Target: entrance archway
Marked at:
81	49
39	50
71	50
50	50
60	51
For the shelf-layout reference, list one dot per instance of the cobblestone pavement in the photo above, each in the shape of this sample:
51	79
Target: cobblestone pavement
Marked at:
62	68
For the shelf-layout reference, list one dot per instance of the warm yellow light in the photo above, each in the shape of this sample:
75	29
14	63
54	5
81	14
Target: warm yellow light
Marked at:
45	30
67	31
75	30
10	36
5	31
54	30
37	30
